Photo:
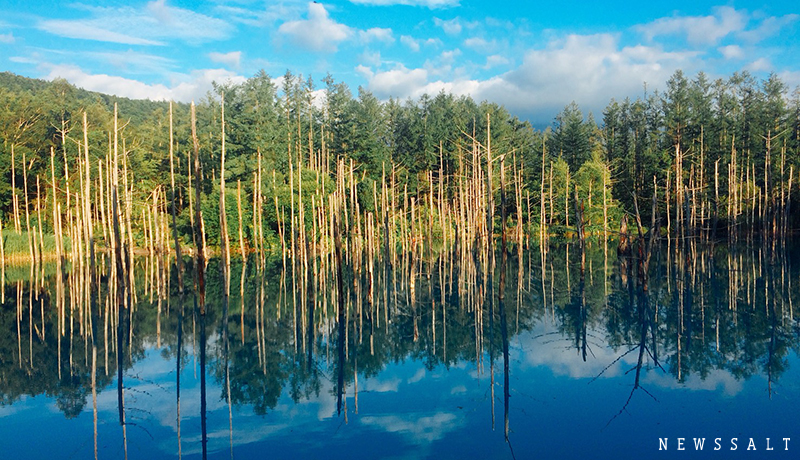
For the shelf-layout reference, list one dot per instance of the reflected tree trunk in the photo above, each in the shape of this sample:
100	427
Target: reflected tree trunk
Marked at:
341	323
203	421
178	357
122	333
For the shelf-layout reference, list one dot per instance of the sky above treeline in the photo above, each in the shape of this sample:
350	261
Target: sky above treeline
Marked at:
533	57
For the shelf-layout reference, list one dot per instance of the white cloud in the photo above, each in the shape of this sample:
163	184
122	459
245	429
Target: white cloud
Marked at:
365	71
380	385
760	65
442	65
318	97
148	26
92	30
377	34
769	27
184	87
373	59
496	60
410	42
109	84
450	27
699	30
400	82
26	59
499	23
133	62
731	51
186	24
426	3
232	59
585	68
414	44
458	389
562	359
317	33
418	376
264	16
715	380
435	42
7	38
449	57
791	78
481	45
418	429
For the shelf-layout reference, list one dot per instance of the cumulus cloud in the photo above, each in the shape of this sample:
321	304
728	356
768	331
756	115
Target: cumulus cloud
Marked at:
443	65
184	87
232	59
432	4
382	385
792	79
402	82
450	26
449	57
481	45
317	33
377	34
699	30
731	51
433	42
410	42
496	60
585	68
151	25
7	38
760	65
414	44
399	82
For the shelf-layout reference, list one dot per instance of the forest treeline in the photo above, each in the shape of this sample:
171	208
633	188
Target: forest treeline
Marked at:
712	158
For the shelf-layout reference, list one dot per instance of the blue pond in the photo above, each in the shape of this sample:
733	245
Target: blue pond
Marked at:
434	357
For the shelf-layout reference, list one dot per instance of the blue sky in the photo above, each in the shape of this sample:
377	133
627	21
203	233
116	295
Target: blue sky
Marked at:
534	57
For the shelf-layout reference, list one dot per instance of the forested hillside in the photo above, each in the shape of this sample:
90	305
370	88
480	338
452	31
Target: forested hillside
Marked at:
720	157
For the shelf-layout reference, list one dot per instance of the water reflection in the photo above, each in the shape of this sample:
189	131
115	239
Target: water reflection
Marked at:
301	348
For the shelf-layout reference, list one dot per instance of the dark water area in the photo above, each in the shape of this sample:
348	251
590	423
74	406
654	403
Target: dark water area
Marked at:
435	358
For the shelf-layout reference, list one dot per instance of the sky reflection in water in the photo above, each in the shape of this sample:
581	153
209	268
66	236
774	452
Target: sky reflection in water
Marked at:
711	367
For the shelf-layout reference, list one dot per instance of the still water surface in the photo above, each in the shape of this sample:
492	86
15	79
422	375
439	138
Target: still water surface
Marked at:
437	366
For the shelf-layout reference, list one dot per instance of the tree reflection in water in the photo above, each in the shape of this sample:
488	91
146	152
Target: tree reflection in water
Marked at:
694	313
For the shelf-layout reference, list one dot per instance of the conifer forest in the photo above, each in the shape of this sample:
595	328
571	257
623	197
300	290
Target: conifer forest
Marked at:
260	168
296	267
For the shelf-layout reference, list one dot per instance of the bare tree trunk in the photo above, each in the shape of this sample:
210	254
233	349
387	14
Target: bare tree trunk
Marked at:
542	220
241	225
223	219
178	256
199	239
88	194
15	199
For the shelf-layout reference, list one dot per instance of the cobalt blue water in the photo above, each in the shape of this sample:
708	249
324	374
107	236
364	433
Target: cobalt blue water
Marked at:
608	364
